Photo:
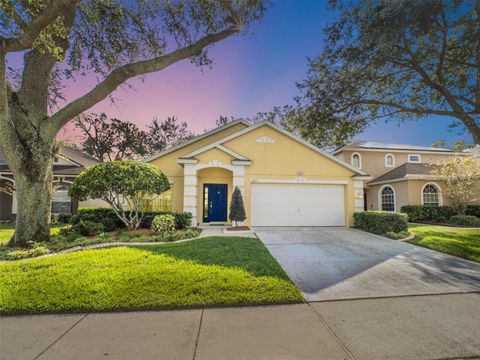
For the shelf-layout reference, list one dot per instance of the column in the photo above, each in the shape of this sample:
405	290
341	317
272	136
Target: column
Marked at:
190	186
358	195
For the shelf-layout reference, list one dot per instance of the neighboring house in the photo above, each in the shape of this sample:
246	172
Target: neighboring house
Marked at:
284	180
67	166
401	173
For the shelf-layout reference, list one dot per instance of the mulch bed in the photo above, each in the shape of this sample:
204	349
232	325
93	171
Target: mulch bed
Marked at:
238	228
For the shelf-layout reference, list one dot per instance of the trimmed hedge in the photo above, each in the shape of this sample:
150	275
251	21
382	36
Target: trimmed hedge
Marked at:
381	222
104	216
428	212
466	220
183	220
110	220
436	213
473	210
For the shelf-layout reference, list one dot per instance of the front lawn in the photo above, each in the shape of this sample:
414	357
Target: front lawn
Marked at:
7	229
464	243
204	272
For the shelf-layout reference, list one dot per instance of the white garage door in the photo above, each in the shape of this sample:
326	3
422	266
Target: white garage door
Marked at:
297	205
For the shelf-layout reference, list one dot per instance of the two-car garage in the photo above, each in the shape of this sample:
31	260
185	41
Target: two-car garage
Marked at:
279	204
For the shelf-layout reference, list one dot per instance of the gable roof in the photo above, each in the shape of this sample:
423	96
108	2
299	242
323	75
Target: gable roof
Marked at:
375	145
196	138
225	149
283	131
404	172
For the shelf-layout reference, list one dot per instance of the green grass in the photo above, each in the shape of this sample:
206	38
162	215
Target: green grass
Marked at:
205	272
7	229
464	243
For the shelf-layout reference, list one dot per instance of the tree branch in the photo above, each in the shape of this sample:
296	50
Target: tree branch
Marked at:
406	108
125	72
39	23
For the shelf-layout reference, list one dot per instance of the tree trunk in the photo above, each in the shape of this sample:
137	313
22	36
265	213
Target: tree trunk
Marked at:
29	154
34	208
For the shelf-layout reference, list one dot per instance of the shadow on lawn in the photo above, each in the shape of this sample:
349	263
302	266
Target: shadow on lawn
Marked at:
248	254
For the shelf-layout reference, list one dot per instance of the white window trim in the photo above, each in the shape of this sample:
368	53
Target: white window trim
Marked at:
393	158
380	197
359	160
415	162
440	194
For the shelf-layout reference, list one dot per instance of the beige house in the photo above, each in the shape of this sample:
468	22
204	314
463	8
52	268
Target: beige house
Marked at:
284	180
401	173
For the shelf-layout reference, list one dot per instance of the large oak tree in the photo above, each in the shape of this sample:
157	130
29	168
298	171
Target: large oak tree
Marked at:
114	40
390	59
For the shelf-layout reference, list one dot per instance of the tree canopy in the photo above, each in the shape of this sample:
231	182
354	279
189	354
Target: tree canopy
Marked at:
392	60
460	179
110	139
123	184
112	41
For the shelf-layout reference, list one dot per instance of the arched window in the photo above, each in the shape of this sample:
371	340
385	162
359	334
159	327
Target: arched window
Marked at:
387	199
389	160
356	160
430	195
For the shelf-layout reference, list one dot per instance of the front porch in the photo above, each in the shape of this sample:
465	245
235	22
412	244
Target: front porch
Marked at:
208	187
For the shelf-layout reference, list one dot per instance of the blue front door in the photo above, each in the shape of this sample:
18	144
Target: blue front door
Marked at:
215	202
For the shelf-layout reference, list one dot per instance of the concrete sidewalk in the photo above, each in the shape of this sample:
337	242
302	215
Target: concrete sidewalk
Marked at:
413	327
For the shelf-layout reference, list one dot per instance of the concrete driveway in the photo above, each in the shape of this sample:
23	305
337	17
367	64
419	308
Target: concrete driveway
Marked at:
342	263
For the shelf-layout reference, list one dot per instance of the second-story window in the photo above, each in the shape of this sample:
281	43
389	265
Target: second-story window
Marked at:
414	158
356	160
389	160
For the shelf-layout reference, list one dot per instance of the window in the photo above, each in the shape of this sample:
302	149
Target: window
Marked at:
387	199
163	202
356	160
414	158
430	195
61	202
389	160
2	160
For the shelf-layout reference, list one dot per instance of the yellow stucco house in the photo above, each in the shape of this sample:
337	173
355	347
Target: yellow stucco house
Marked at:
284	180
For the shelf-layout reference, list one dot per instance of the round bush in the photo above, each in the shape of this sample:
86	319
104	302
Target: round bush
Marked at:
465	220
88	228
163	224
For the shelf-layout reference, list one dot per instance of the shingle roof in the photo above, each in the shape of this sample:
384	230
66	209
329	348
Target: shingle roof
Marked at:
387	146
403	170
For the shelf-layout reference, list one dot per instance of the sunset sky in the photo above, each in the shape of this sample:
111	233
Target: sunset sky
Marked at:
251	73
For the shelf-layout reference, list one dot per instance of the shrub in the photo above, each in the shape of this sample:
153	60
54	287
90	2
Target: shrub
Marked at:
237	209
397	236
104	237
37	249
466	220
121	180
182	235
105	216
379	222
64	218
183	220
88	228
67	230
17	254
473	210
427	212
163	224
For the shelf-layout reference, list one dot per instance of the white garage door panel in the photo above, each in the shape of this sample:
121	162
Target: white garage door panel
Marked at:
297	205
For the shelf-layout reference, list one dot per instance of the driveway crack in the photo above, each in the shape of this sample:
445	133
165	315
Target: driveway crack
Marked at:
198	335
61	336
331	331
